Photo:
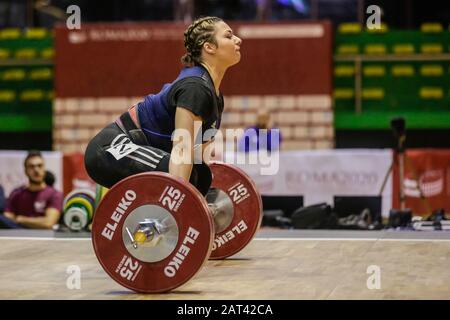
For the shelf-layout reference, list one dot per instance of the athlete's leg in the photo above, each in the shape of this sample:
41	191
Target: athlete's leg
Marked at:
111	156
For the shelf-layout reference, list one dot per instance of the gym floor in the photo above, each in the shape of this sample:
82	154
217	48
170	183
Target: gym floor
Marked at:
277	264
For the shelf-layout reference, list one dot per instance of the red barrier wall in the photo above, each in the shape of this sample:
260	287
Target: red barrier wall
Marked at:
135	59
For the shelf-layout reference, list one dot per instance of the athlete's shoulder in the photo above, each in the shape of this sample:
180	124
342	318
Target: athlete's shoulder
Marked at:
195	74
192	81
195	71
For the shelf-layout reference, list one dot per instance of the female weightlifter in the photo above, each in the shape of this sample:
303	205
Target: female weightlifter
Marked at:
140	140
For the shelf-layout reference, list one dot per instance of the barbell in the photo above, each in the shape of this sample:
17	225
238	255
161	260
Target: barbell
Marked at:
152	232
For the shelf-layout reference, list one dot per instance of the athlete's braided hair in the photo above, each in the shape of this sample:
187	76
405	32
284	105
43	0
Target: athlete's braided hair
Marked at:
200	31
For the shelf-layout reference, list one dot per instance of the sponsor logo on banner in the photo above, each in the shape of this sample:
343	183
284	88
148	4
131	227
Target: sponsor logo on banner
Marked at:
297	179
77	37
265	185
286	31
448	181
120	34
430	182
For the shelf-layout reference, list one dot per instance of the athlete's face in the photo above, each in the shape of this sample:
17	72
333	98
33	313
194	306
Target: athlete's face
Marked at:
228	45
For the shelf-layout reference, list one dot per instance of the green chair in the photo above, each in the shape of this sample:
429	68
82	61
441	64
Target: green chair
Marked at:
47	53
41	74
349	28
344	71
13	75
347	49
7	95
373	93
36	33
431	70
431	93
344	99
375	49
374	71
4	53
26	53
431	48
32	95
10	33
343	93
403	48
382	29
402	70
431	27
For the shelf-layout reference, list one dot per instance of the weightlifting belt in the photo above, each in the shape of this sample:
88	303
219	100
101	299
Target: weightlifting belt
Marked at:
128	122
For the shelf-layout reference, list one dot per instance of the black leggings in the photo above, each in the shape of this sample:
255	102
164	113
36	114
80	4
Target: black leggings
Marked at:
111	156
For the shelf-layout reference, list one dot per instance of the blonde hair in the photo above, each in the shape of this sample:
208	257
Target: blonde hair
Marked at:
200	31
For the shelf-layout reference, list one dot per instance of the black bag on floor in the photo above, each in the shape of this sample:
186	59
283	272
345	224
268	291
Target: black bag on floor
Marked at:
317	216
362	221
276	218
399	218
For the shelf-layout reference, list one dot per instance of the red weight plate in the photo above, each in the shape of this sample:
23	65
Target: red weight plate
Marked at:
247	206
195	232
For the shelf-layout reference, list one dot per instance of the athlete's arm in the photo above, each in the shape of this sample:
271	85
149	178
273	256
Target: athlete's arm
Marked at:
182	155
208	151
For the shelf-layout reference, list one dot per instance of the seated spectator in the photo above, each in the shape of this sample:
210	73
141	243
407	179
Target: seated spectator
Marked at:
2	200
35	205
260	136
49	178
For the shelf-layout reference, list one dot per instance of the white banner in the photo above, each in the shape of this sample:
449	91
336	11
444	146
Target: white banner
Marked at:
12	171
319	175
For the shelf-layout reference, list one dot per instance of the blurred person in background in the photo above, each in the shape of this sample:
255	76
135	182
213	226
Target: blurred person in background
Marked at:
35	205
13	14
183	10
261	135
2	200
263	10
49	178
